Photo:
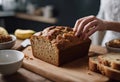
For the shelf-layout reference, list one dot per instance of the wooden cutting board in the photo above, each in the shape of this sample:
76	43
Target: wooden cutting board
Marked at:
76	71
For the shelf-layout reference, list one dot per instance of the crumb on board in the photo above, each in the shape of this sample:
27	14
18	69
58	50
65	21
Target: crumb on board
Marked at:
31	58
27	57
89	73
29	49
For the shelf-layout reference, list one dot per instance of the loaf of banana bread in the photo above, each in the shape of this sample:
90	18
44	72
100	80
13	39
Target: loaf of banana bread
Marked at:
58	45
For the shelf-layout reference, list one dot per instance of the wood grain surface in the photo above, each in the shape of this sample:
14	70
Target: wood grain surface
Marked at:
76	71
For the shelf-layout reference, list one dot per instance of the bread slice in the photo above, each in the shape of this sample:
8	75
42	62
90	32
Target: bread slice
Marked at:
95	66
111	60
93	63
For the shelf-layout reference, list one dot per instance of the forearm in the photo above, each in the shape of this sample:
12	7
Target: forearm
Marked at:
114	26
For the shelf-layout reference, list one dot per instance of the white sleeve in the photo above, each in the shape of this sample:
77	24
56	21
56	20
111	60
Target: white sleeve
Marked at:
101	10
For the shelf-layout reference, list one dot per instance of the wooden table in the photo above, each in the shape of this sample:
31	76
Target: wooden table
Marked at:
23	75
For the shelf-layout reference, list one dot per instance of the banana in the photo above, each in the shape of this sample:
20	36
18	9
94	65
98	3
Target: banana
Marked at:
23	34
3	31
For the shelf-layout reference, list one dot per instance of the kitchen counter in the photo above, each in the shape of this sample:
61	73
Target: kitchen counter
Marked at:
36	18
25	16
24	75
6	14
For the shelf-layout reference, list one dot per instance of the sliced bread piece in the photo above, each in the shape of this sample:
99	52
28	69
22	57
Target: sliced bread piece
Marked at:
111	60
94	65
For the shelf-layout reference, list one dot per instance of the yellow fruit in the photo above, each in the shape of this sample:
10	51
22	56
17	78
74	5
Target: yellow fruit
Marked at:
3	31
23	34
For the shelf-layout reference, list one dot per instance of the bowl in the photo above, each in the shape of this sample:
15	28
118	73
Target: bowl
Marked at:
9	44
113	47
10	61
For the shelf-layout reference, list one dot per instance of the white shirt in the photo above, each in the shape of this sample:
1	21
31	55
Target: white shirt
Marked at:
110	10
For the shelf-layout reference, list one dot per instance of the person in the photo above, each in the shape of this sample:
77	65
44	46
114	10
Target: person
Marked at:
107	19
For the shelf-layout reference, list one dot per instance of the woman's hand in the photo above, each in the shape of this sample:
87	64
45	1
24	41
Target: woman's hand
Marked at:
86	26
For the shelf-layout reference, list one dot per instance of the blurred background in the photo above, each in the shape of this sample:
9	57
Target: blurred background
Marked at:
38	14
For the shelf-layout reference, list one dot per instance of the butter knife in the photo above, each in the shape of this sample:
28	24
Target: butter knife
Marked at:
24	44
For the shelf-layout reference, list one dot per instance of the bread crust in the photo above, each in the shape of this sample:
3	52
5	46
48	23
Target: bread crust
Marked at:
111	62
109	72
58	45
95	66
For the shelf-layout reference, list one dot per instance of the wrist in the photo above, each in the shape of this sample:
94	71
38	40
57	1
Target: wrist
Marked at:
106	25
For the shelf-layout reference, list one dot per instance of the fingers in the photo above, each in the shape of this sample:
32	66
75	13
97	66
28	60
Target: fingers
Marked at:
90	26
80	24
86	26
77	24
90	32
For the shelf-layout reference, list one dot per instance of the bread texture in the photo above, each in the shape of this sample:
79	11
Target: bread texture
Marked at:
111	60
58	45
95	66
115	43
